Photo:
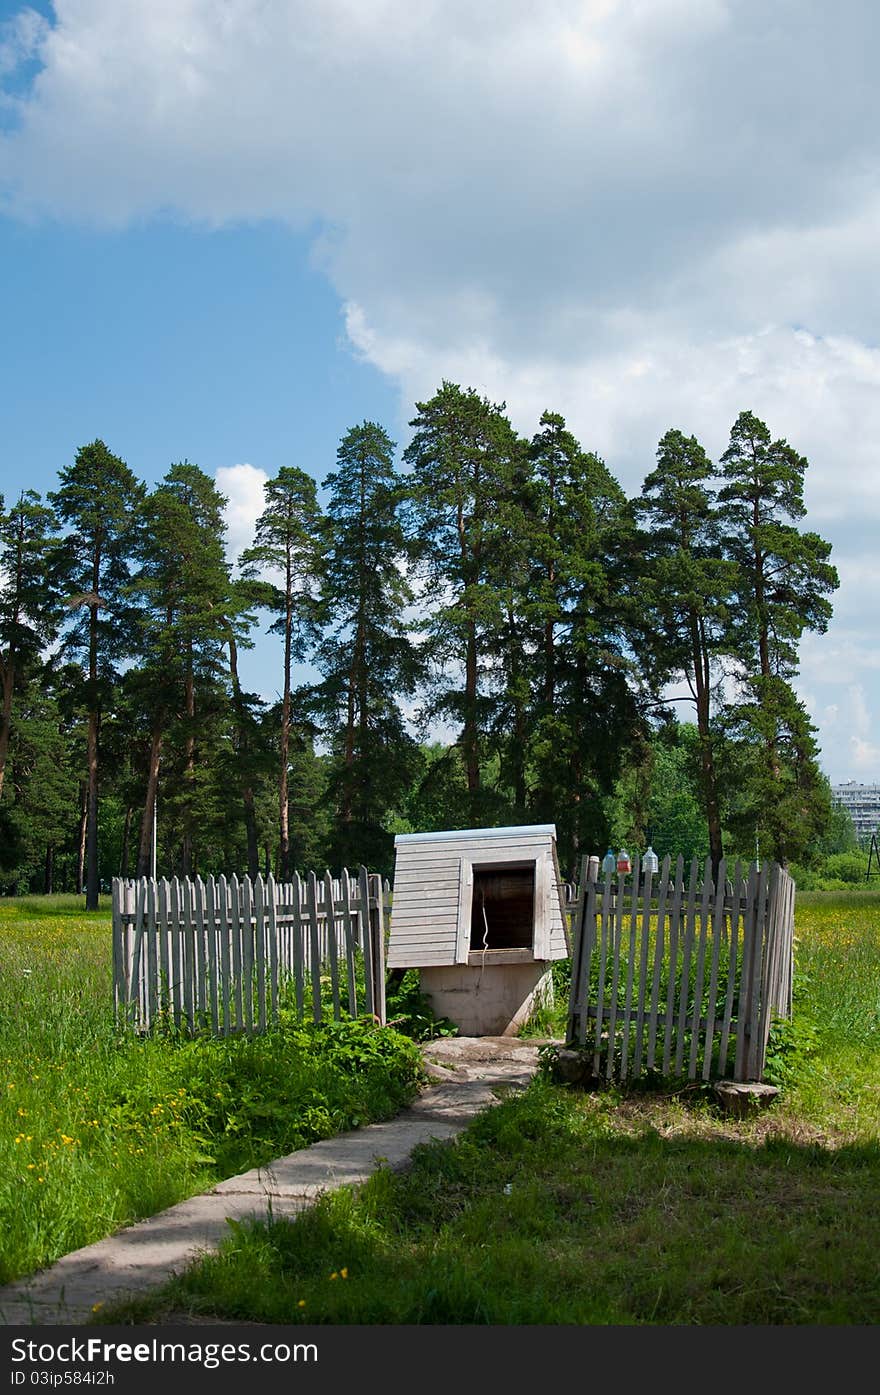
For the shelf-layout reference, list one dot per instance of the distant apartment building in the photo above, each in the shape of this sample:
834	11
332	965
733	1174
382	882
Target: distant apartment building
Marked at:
862	803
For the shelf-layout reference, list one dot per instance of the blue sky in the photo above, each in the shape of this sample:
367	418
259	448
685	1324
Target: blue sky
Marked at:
228	232
168	343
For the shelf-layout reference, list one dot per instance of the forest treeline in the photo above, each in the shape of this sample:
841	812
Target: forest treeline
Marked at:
621	667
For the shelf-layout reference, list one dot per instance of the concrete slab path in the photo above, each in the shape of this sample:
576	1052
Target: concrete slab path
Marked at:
468	1075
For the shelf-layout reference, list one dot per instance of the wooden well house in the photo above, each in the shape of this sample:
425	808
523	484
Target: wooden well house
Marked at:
480	913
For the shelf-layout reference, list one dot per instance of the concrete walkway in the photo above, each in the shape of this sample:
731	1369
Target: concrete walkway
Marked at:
467	1073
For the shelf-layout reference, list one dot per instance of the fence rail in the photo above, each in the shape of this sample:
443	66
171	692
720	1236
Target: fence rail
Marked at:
222	954
681	976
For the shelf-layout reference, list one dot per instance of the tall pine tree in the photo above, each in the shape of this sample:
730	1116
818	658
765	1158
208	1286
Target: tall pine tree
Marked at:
584	716
463	456
188	607
286	552
97	500
784	580
686	588
29	604
366	655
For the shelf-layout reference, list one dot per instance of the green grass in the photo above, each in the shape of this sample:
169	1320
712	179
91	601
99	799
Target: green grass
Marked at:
99	1128
559	1208
613	1207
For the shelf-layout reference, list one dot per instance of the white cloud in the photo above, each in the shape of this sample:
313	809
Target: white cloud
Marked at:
21	39
640	213
242	486
863	744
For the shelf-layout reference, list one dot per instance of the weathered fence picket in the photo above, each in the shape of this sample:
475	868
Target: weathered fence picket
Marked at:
223	955
675	975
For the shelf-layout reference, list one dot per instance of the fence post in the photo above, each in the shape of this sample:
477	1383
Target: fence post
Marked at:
314	945
377	936
582	933
370	991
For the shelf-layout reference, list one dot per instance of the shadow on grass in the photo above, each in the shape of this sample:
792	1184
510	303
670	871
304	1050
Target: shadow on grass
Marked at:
557	1207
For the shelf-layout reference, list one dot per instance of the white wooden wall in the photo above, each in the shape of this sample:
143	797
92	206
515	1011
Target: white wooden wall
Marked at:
433	886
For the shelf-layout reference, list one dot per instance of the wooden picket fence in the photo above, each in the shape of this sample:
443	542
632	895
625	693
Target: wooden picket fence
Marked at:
221	955
680	977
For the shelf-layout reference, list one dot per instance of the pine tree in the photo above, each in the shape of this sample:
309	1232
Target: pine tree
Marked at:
29	604
686	589
367	659
97	499
287	543
188	608
463	457
583	716
784	580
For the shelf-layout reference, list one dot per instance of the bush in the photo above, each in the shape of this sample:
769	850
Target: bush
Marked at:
836	872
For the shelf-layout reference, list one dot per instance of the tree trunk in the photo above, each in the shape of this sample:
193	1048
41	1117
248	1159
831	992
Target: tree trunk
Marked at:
81	840
92	817
49	868
145	846
189	772
247	792
126	834
470	738
707	759
92	745
283	792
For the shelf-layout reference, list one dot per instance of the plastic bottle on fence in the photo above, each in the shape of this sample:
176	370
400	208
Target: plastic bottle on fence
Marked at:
623	863
609	864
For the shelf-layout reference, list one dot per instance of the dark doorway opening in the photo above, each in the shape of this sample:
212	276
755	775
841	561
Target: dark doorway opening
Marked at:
503	907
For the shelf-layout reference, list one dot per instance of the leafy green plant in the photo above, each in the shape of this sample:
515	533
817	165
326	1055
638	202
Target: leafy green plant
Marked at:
791	1046
409	1011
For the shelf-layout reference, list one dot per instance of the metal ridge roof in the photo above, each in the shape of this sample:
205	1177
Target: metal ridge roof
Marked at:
475	833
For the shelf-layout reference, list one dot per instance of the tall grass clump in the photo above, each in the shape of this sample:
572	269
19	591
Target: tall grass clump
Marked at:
99	1128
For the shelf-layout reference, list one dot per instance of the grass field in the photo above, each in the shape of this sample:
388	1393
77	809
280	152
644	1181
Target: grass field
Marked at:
556	1207
613	1207
98	1129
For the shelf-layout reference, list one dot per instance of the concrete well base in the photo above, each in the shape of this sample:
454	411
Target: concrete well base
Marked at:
491	1001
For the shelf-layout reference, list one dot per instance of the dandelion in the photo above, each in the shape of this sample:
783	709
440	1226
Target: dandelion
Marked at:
301	1303
96	1307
